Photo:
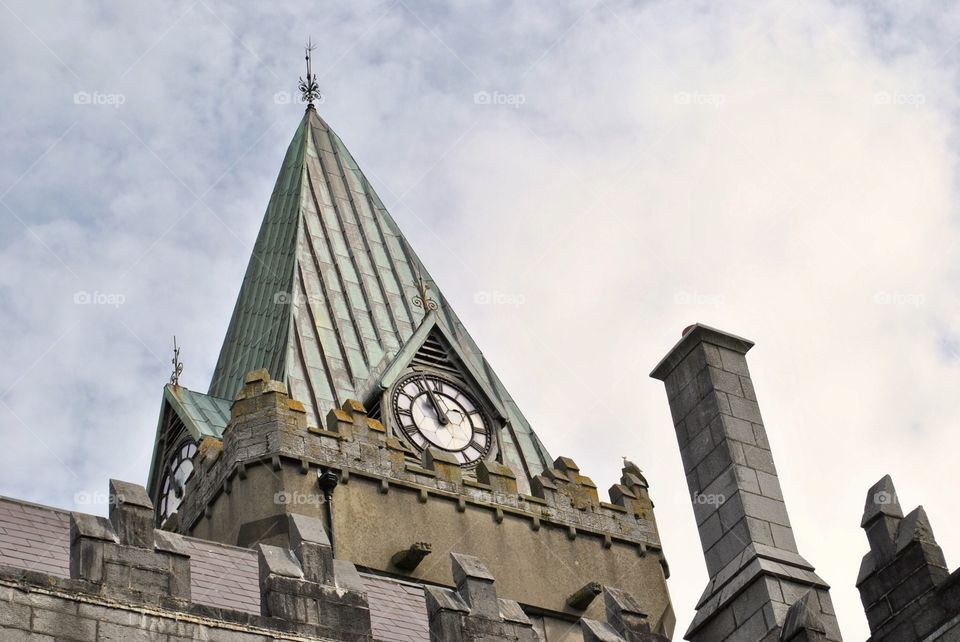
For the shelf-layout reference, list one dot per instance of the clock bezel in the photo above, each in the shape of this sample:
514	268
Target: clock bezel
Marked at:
396	428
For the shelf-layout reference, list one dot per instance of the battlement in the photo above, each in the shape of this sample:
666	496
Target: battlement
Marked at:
269	428
906	589
267	467
127	578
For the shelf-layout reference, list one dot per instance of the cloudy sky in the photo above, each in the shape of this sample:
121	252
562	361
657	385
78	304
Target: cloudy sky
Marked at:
785	171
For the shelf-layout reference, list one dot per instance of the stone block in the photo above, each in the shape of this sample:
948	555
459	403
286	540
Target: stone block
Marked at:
499	477
91	527
625	614
475	584
595	631
443	464
711	379
64	625
275	560
341	422
739	429
310	544
473	612
131	514
510	611
745	409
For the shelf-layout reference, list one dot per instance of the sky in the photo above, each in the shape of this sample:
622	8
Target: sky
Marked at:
583	180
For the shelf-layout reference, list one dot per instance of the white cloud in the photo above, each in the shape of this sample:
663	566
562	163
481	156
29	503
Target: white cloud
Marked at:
787	168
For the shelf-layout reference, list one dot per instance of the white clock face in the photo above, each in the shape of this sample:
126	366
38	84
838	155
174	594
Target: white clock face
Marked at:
435	412
171	489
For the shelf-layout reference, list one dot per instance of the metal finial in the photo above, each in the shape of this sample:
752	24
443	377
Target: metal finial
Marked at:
422	299
309	89
177	364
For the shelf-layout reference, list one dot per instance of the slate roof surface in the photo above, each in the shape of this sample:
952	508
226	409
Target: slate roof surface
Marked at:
327	301
37	538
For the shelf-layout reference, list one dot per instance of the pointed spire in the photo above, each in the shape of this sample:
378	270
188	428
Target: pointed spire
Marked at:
334	294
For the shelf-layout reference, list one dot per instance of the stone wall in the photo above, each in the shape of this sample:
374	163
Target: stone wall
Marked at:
129	581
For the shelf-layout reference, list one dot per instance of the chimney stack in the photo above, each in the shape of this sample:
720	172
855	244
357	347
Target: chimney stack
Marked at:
756	572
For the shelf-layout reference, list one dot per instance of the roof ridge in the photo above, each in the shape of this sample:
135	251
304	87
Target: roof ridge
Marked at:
23	502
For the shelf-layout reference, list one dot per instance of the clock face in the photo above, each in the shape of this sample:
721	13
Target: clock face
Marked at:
433	411
175	476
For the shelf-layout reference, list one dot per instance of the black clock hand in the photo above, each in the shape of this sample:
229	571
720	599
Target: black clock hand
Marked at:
442	416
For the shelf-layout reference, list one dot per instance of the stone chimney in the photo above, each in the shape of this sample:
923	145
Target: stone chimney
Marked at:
756	572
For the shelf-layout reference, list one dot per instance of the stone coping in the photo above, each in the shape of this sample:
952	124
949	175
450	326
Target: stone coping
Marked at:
620	524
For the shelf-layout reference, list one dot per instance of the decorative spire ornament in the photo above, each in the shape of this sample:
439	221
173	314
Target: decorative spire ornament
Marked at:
422	299
177	364
309	89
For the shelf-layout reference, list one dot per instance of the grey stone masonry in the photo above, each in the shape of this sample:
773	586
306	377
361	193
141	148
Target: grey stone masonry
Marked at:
124	558
307	585
473	612
803	623
626	621
907	592
755	570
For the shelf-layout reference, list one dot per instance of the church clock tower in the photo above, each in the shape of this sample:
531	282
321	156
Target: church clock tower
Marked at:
348	389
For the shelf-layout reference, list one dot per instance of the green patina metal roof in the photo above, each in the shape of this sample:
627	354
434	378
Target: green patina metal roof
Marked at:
202	416
327	302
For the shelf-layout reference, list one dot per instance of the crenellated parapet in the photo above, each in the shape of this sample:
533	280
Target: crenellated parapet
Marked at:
626	621
304	584
128	580
267	468
124	558
268	428
473	611
907	591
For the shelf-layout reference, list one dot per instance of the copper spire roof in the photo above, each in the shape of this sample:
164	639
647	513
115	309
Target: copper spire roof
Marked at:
334	293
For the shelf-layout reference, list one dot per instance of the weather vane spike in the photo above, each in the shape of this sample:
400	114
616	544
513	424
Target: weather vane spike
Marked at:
309	89
177	364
